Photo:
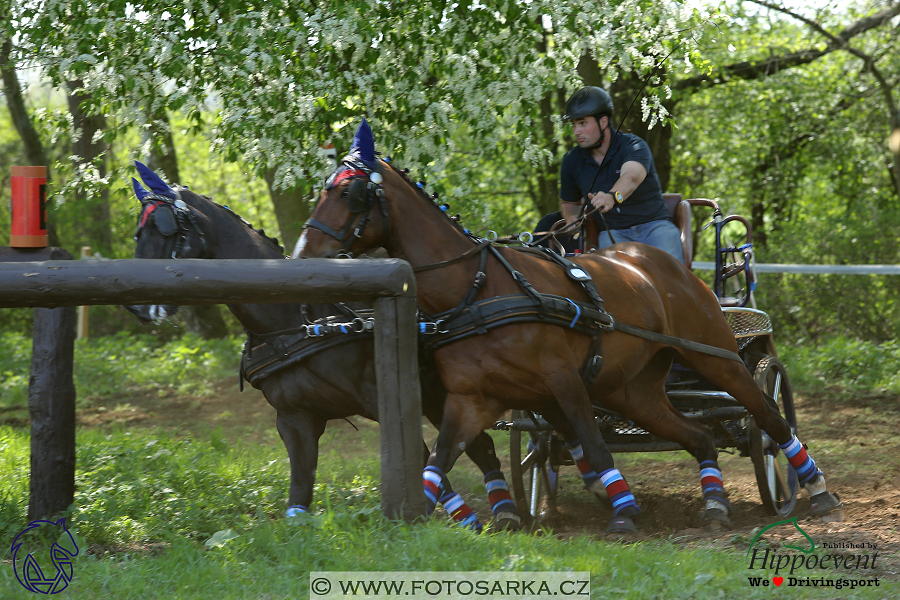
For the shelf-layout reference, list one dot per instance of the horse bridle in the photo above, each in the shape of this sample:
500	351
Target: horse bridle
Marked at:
362	195
174	225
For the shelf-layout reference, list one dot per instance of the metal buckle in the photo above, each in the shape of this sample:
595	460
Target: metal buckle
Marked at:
612	323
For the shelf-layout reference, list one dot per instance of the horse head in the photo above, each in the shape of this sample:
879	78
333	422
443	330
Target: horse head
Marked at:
351	215
167	227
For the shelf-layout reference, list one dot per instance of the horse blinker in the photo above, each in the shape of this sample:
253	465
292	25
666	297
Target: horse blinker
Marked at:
358	195
165	222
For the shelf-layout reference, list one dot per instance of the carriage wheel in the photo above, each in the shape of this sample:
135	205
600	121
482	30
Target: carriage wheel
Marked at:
775	477
534	479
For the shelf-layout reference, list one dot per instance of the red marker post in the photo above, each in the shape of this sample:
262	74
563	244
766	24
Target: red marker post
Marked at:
29	207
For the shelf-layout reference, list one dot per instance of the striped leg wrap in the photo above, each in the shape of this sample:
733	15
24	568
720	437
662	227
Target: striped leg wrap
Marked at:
293	511
711	480
433	481
713	487
800	460
587	473
498	493
617	490
460	511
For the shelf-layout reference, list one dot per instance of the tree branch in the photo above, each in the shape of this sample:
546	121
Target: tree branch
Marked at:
762	68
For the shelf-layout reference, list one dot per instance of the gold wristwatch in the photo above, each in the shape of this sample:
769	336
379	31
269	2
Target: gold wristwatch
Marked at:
617	196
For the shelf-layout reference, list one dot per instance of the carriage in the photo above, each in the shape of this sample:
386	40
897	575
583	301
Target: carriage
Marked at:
537	452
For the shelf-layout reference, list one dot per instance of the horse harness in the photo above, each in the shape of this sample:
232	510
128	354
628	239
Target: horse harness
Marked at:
474	317
470	317
265	354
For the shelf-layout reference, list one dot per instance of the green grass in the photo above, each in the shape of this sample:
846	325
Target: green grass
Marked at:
147	502
125	364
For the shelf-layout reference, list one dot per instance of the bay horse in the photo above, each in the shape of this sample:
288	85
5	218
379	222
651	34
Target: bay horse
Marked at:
333	380
551	368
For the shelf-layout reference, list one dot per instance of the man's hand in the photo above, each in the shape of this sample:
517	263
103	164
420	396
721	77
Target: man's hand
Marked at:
570	211
602	201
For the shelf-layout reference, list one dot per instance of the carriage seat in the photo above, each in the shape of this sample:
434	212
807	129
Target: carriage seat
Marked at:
680	211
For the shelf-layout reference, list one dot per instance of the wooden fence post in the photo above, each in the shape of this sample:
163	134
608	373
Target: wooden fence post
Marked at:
51	397
399	408
51	406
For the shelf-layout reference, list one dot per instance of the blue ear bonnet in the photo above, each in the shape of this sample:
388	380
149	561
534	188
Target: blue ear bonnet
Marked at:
363	148
139	190
153	181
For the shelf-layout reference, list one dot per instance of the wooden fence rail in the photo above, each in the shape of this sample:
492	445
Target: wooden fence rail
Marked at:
66	283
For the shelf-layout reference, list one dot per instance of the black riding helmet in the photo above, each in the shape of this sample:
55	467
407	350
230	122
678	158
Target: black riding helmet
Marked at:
588	101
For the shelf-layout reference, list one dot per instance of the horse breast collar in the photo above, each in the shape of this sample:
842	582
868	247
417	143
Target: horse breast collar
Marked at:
361	198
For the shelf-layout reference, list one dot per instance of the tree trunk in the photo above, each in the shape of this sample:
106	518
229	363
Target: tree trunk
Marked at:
757	223
95	229
291	210
162	159
895	150
547	197
35	154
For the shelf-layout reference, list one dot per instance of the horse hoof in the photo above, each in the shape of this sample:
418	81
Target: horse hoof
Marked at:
826	504
507	521
715	520
621	528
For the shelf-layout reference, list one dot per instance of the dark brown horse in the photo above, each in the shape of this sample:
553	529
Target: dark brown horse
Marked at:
335	378
537	366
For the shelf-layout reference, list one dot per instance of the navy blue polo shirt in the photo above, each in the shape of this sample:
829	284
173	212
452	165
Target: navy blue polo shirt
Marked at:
646	202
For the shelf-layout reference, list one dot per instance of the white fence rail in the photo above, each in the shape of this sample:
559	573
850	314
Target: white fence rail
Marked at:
813	269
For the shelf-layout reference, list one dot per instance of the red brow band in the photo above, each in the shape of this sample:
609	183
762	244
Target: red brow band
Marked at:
150	208
347	174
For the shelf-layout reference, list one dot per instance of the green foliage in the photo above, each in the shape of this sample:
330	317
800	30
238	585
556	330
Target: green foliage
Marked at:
125	364
844	364
15	366
802	154
290	76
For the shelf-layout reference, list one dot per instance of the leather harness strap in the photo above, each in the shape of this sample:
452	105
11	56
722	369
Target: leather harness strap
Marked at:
677	342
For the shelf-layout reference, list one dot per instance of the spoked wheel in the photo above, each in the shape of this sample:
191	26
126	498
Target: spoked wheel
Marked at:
776	478
534	478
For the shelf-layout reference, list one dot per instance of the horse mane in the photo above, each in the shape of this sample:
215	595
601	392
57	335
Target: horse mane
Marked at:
428	199
272	241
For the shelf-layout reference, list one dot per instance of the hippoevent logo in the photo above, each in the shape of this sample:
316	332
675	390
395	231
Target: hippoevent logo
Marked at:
801	566
29	571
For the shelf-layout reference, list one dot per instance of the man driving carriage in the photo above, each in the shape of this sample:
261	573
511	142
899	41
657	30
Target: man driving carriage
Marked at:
626	189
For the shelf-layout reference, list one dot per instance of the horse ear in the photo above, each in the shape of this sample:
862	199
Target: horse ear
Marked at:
154	181
139	190
364	142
